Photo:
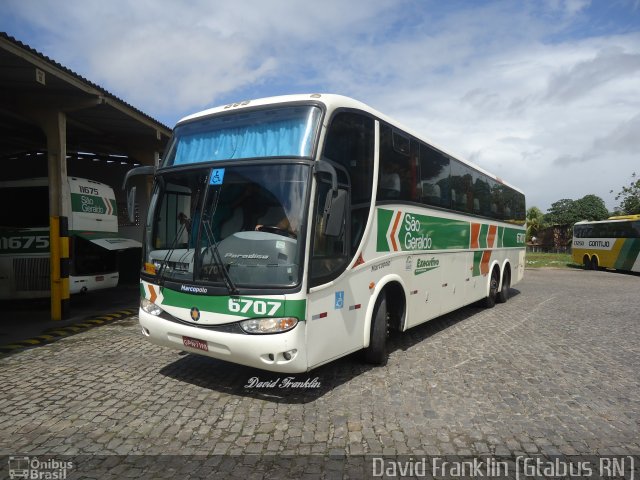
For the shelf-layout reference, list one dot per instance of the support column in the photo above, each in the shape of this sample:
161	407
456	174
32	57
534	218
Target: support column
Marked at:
54	125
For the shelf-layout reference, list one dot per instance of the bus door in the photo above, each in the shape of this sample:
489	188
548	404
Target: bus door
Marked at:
332	327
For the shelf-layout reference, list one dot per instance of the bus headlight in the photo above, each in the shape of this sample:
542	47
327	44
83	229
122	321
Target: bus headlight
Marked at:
268	325
150	307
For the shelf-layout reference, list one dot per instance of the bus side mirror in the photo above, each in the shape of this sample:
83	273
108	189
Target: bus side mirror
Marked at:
131	204
334	209
131	189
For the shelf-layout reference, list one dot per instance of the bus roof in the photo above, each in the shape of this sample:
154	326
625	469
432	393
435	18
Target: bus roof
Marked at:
619	218
333	102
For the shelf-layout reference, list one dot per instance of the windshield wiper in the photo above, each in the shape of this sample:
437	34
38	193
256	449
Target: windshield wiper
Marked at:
213	248
217	259
165	260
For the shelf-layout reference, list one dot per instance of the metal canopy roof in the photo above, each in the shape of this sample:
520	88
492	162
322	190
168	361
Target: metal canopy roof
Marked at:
33	85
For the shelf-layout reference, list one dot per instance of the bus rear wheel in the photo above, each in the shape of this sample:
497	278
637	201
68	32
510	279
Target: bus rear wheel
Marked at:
594	263
494	282
586	262
376	352
503	294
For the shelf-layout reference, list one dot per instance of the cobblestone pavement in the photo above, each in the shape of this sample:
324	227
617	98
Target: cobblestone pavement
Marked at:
555	371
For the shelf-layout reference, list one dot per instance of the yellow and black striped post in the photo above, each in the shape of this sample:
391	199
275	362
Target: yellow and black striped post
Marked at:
59	245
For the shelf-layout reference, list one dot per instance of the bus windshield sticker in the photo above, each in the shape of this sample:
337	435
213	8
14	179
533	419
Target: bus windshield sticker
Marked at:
339	300
217	176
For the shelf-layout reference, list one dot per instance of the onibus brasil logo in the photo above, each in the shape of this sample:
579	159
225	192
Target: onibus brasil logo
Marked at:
35	468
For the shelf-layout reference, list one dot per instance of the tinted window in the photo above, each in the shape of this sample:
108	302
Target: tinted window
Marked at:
350	143
398	176
497	199
414	171
330	255
434	177
269	132
461	187
481	195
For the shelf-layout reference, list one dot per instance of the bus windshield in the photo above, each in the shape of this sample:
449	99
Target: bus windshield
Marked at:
274	132
238	226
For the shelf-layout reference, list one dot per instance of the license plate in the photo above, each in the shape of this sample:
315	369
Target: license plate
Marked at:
100	279
195	343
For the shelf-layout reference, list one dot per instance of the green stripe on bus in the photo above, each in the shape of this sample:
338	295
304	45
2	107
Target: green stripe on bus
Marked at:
628	254
500	235
93	204
245	307
477	258
384	219
484	229
513	237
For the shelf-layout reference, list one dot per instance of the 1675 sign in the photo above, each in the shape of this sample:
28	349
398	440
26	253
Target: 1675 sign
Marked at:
24	243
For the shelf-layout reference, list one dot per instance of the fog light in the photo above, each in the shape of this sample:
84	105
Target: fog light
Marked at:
288	355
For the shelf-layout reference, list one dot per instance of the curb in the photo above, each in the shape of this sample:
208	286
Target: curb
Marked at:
53	334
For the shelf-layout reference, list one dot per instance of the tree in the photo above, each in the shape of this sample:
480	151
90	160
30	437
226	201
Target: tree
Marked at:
535	219
567	211
561	213
629	197
590	207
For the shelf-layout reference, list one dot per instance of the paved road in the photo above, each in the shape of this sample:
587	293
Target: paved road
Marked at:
556	370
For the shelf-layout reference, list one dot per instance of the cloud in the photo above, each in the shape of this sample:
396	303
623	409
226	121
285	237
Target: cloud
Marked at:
586	76
623	140
169	56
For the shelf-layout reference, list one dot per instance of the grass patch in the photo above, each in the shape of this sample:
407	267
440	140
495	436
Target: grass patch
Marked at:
558	260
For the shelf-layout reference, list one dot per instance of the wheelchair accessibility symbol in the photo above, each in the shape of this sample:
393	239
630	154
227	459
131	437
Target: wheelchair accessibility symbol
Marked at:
217	176
339	300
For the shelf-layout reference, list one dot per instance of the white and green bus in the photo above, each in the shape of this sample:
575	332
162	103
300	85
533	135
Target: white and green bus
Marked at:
24	237
286	232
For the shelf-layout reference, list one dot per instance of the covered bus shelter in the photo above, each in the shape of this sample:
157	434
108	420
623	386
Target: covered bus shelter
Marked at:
52	119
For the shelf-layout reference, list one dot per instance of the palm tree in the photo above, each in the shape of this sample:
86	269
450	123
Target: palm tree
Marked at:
534	222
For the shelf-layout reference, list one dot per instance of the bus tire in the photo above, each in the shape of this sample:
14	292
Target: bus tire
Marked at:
594	263
586	262
503	294
376	353
494	282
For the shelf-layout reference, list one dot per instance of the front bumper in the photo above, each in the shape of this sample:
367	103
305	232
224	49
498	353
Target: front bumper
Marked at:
266	352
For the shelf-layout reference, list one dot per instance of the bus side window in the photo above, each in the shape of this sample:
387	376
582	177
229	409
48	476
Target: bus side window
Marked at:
350	143
434	177
330	255
397	175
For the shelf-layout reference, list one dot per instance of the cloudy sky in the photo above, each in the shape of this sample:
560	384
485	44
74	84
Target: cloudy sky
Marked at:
543	93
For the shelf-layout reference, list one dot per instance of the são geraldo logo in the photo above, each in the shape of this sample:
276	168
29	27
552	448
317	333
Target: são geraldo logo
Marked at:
399	231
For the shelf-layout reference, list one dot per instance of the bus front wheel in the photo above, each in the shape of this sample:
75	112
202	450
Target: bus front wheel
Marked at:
376	352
